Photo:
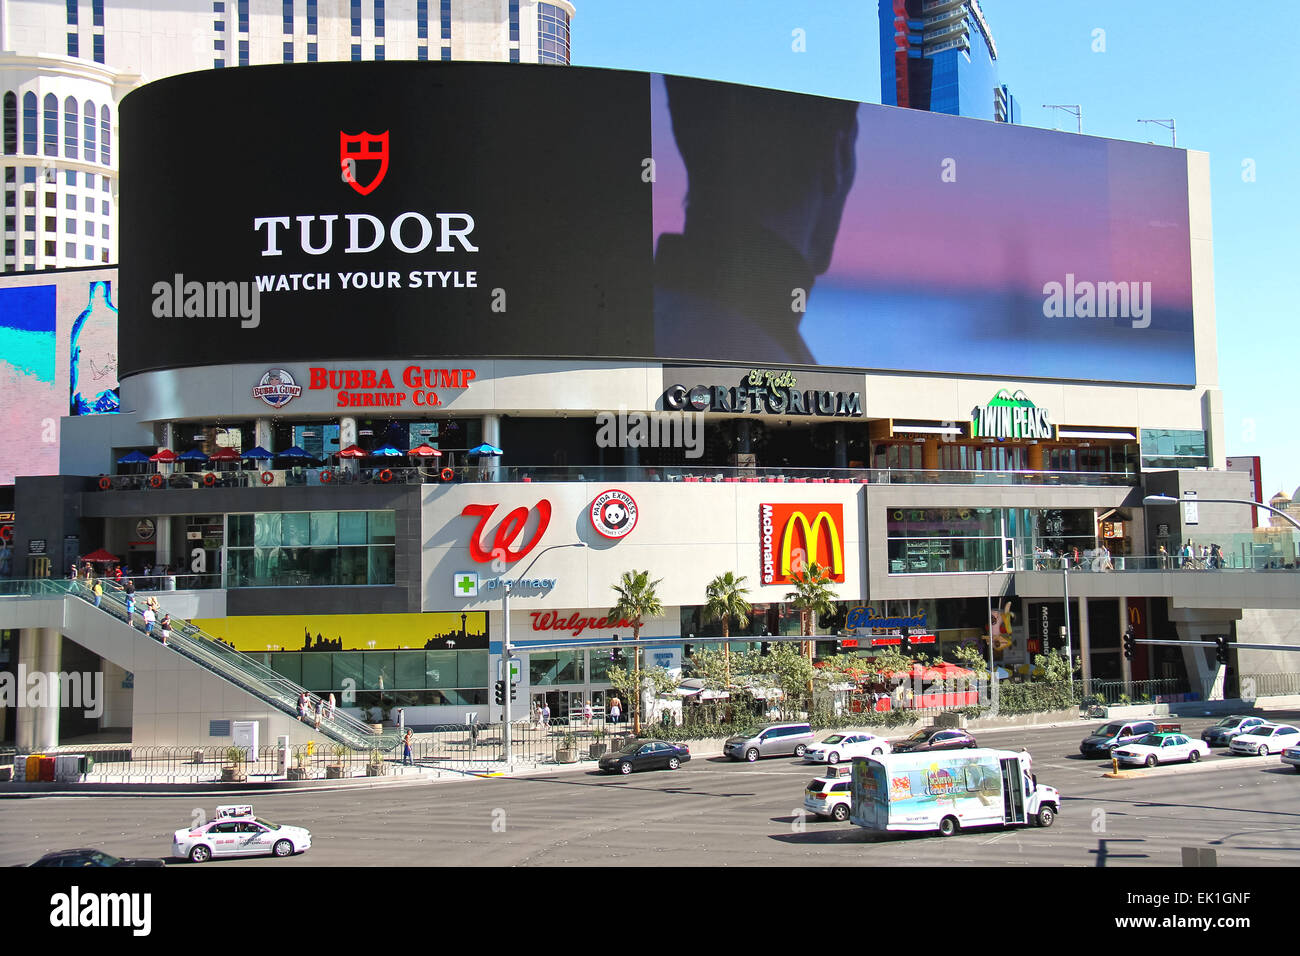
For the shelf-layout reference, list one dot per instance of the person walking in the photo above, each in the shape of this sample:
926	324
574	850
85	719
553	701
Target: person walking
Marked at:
117	573
98	590
546	715
148	620
615	710
329	714
406	748
302	706
320	711
75	572
1163	555
130	603
165	627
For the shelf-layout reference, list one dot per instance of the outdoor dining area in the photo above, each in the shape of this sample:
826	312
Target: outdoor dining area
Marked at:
260	467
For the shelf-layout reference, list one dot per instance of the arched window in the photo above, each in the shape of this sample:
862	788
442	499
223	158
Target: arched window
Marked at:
70	118
29	123
11	124
88	130
105	137
51	125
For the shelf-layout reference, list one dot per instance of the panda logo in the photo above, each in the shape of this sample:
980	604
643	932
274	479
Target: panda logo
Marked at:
613	514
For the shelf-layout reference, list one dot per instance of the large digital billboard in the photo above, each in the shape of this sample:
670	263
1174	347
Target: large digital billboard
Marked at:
58	356
432	210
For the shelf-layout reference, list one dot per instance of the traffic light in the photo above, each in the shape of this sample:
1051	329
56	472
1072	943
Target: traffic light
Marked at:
513	688
501	692
613	652
1221	649
1130	642
905	644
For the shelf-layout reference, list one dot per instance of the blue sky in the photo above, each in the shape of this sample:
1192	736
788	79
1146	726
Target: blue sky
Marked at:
1189	60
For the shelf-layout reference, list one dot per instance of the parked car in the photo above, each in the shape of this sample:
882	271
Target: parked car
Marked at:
932	738
1106	738
839	747
1221	734
770	740
1162	748
90	857
830	796
645	755
236	832
1292	756
1266	739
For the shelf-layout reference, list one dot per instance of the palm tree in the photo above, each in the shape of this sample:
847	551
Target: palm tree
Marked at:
637	600
812	595
725	600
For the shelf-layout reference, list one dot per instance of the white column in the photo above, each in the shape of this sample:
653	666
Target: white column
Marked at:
1085	641
263	434
25	717
492	436
49	654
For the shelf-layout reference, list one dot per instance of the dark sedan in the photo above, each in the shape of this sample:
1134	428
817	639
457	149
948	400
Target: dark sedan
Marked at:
645	755
934	739
89	857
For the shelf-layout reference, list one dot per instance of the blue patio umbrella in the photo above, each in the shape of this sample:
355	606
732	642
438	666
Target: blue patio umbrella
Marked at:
257	452
294	452
193	454
133	458
388	451
485	450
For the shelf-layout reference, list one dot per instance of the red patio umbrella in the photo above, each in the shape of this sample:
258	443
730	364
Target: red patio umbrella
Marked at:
352	451
165	455
224	454
100	556
425	451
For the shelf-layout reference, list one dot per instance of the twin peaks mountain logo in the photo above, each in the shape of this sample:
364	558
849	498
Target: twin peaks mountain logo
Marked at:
1009	416
370	149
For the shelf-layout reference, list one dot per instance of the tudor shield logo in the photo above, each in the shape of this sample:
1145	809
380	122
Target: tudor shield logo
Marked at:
793	536
363	155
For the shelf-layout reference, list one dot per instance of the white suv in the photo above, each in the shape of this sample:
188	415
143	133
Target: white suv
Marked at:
839	747
830	796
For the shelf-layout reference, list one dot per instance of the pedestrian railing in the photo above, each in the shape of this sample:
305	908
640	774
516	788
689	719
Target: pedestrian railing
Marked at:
1268	685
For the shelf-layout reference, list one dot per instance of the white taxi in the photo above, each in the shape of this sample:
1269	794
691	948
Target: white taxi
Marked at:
839	747
1162	748
1265	740
831	795
237	832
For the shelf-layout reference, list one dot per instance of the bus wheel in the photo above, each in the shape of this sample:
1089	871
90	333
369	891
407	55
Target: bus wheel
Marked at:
1045	817
947	826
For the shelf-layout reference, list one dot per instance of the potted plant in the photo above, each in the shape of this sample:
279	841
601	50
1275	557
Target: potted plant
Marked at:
334	770
597	746
234	771
299	770
376	767
567	751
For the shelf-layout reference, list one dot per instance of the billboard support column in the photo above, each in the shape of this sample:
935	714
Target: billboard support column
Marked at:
491	436
264	434
348	438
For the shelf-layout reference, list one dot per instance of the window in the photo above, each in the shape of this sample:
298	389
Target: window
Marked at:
243	15
11	124
446	54
97	13
514	21
422	21
243	53
70	250
219	45
105	135
288	19
51	125
379	51
379	18
311	52
356	53
29	123
103	231
71	115
311	549
74	45
356	18
90	252
1173	448
514	54
552	34
218	64
29	223
444	14
70	175
422	53
69	225
72	13
51	248
311	18
88	228
288	51
937	540
98	40
88	129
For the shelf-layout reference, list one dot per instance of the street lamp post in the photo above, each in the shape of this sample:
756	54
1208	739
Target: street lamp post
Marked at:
506	755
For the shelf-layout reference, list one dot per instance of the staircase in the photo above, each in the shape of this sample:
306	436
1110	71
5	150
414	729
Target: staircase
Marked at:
211	654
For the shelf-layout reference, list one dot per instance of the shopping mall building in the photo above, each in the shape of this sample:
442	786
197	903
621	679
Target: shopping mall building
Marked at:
932	354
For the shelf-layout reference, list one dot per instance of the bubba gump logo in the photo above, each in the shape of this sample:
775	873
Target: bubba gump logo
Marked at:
277	388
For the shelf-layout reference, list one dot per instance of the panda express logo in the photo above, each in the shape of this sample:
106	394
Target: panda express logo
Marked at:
356	148
613	514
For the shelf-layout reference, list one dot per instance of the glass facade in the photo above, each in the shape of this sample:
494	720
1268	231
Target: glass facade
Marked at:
947	540
552	34
310	549
1174	448
389	678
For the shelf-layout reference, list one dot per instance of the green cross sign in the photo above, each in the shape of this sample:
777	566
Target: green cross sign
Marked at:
465	585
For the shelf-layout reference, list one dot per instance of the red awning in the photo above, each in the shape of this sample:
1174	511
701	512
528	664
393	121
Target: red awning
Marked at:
352	451
224	454
425	451
165	454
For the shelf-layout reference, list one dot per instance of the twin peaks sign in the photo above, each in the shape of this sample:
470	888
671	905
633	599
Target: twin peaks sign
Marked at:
1009	416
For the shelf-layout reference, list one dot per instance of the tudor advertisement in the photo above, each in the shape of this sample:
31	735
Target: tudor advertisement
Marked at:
456	201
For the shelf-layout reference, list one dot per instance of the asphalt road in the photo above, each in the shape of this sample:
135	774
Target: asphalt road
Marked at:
713	812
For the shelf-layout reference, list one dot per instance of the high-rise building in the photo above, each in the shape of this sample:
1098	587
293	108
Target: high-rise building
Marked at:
939	55
65	66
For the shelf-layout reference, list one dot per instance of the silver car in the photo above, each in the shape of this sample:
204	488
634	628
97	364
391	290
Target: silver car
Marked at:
770	740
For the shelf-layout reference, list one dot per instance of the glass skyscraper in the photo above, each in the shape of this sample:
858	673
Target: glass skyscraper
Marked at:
939	55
